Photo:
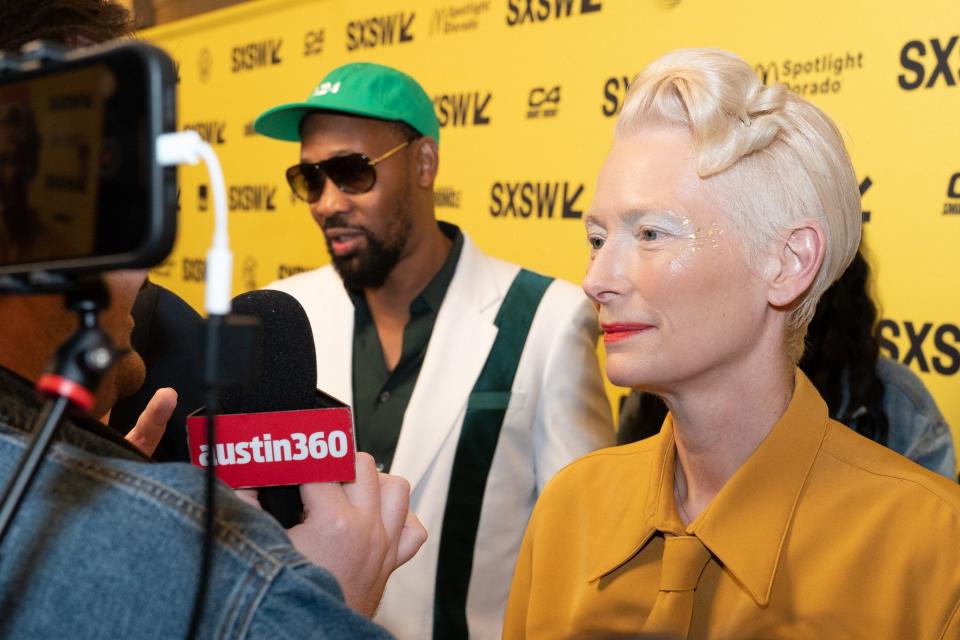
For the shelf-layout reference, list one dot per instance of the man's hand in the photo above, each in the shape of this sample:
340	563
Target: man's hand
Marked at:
359	531
146	434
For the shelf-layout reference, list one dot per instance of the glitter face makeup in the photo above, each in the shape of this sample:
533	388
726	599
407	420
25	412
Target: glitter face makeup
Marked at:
699	238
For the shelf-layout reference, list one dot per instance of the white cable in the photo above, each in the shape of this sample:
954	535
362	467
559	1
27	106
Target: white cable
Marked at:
187	147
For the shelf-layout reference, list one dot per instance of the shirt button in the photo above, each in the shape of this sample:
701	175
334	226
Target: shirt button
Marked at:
379	466
384	396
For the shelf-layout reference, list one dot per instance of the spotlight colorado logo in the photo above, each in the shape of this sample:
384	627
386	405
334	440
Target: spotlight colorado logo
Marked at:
823	74
457	18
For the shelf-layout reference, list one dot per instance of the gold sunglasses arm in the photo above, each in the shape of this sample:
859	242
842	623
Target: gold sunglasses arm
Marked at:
389	153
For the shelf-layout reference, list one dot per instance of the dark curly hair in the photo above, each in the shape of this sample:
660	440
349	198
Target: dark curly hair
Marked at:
71	23
841	355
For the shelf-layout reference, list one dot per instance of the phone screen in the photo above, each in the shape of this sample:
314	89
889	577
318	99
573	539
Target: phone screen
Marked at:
76	165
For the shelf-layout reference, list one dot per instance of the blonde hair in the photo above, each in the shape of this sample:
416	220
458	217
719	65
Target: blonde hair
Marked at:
768	157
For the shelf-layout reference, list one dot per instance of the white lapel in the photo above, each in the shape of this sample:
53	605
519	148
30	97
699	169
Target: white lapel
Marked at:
462	337
330	312
332	322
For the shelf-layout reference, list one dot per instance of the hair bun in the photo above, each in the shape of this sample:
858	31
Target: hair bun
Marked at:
751	129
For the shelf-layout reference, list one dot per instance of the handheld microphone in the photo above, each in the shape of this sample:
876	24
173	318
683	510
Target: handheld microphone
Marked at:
279	429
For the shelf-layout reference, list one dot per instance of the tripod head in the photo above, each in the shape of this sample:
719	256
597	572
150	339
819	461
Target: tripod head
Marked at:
83	360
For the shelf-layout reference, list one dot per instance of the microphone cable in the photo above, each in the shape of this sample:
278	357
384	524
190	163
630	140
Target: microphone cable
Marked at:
187	147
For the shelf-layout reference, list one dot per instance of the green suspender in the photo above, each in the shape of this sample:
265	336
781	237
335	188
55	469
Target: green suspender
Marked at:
478	442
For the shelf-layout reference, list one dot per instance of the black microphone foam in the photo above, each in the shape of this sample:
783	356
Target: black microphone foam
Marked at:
286	379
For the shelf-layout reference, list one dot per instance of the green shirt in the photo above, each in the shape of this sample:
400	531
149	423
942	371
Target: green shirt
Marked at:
380	397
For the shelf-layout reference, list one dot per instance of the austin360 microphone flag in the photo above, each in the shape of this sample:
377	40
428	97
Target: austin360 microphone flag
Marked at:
279	430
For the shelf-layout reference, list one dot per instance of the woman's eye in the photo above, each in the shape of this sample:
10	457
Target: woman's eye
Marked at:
649	234
595	242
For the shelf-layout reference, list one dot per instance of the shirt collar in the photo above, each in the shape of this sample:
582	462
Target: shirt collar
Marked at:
747	523
434	292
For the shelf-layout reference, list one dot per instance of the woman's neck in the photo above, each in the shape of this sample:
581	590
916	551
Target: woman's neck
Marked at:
718	426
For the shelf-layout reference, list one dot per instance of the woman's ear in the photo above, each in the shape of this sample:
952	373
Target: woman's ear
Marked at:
794	265
426	161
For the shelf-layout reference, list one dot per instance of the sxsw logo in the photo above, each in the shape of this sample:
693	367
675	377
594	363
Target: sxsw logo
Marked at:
249	273
930	67
287	270
204	65
952	205
463	109
193	269
447	197
164	269
313	43
864	187
614	93
249	197
543	102
211	131
536	199
943	356
380	31
264	53
531	11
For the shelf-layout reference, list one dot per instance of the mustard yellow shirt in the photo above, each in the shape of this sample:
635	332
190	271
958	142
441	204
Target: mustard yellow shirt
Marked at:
820	534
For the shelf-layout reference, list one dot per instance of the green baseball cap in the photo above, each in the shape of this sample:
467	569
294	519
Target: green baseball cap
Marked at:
358	88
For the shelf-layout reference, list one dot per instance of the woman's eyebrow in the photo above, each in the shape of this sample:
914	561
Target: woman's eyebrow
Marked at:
642	214
638	214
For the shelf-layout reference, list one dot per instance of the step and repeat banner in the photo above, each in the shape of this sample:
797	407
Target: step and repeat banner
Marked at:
527	92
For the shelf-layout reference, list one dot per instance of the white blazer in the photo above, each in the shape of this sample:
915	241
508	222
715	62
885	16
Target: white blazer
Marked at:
558	411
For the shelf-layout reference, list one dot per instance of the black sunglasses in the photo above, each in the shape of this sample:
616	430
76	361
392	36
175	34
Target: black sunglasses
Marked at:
353	173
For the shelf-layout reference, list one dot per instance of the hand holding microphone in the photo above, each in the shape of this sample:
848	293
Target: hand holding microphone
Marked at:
360	531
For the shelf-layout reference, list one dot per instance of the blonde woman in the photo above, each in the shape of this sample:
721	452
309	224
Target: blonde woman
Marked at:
723	212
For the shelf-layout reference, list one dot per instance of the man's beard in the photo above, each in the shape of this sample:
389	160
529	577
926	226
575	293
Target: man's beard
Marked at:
370	267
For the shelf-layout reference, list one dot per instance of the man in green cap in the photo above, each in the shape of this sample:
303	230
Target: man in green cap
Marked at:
473	378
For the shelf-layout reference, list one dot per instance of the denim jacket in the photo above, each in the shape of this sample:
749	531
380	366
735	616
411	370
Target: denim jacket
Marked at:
917	428
107	544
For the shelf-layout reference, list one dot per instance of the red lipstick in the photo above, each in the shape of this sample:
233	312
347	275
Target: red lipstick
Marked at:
621	331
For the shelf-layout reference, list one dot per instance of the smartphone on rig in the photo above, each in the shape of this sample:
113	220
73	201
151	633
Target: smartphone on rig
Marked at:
80	186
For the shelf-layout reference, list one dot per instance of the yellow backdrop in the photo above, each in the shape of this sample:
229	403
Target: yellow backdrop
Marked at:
527	91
